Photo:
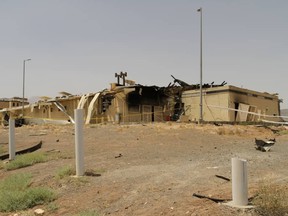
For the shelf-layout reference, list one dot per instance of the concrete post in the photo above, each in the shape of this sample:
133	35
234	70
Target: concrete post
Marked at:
239	182
79	146
11	139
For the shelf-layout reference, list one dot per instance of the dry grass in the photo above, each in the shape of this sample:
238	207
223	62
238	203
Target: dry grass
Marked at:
229	131
25	160
271	199
16	193
283	132
2	150
65	172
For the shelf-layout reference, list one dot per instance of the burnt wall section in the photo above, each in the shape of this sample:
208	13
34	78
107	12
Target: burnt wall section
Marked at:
144	95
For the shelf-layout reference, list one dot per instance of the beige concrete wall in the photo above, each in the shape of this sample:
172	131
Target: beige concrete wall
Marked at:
158	114
262	105
228	97
4	104
11	104
191	102
132	113
146	113
48	110
41	112
118	107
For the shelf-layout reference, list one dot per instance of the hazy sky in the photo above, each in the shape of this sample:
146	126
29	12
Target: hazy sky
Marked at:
78	45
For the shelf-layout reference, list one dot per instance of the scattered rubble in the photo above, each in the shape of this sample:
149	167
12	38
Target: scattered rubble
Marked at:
264	146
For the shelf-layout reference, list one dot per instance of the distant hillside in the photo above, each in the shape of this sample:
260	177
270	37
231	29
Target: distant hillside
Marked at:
284	112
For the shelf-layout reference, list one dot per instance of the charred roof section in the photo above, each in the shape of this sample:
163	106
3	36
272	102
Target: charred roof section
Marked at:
186	86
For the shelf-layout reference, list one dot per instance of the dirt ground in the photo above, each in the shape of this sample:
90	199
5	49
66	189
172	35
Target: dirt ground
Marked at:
150	169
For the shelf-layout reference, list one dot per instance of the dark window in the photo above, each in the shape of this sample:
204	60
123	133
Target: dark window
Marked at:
236	107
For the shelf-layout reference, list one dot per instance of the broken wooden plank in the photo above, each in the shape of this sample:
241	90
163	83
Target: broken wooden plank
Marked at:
210	198
222	177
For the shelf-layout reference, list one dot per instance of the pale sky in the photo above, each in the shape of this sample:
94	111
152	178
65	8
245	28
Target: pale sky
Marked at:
78	45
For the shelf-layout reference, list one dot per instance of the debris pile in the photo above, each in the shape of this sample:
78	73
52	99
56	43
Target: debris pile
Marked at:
263	145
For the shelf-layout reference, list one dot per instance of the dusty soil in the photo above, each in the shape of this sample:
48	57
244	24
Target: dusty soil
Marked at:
150	169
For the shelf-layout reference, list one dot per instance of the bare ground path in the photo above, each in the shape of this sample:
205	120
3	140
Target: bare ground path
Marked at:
151	169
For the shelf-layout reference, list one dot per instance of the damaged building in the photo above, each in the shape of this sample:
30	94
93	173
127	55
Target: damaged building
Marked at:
12	102
126	102
123	102
228	103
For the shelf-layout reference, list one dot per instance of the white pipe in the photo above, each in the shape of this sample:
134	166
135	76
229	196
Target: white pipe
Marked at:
239	182
11	139
79	147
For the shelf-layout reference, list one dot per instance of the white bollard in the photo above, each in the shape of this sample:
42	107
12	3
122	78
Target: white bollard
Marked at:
11	139
79	146
239	182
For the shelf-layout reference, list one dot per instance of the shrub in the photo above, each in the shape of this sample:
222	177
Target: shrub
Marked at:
25	160
283	132
52	207
65	171
271	200
2	151
224	131
16	193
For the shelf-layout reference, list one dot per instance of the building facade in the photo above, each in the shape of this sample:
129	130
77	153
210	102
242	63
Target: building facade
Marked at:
231	104
12	102
137	103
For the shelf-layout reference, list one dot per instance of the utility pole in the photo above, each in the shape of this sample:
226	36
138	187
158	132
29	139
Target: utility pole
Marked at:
201	68
23	96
